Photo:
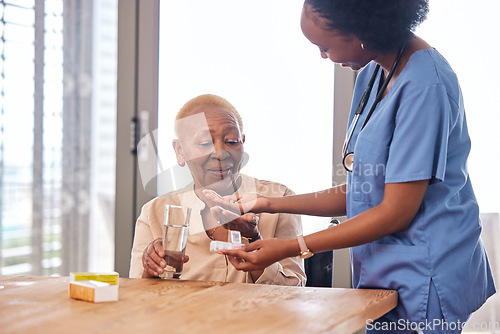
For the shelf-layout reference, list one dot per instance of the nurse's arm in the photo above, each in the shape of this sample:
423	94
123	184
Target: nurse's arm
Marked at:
395	213
326	203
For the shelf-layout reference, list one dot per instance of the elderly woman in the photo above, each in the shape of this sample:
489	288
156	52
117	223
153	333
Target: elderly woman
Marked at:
413	220
210	143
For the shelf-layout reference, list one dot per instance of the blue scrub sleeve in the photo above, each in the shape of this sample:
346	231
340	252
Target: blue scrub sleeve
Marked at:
419	146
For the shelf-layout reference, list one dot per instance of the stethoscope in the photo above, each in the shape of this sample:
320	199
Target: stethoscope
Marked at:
348	158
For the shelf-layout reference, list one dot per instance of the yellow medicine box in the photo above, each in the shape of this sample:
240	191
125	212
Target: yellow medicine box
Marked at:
106	277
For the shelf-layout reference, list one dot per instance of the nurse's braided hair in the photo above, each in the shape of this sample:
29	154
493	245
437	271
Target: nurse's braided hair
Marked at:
382	25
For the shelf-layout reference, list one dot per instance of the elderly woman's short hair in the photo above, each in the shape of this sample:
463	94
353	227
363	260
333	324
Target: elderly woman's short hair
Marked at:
195	105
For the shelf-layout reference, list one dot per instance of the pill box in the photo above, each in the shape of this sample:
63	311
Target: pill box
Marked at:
216	246
93	291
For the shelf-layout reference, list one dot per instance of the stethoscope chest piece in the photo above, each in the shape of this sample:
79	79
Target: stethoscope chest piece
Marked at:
348	161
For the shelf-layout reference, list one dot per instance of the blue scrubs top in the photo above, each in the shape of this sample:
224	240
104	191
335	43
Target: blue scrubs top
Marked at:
419	132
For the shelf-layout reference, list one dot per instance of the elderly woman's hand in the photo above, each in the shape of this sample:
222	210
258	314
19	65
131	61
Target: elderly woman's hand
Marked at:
246	224
230	212
153	259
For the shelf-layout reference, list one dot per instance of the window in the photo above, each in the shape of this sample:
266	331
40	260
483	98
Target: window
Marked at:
57	124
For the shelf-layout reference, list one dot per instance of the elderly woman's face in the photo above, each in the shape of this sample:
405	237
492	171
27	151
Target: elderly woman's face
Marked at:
342	49
213	149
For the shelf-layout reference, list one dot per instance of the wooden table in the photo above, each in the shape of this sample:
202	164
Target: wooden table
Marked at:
41	305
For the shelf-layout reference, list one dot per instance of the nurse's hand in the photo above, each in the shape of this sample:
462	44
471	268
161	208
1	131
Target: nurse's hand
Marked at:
261	254
153	259
249	202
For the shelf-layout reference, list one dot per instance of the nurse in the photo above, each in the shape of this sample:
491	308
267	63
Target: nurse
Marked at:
413	220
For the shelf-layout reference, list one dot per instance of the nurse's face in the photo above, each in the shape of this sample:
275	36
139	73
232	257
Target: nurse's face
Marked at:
211	144
338	47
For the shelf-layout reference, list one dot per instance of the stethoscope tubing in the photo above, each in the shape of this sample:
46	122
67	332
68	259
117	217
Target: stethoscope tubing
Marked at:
364	100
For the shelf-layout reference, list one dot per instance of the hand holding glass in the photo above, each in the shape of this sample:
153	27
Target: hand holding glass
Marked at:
175	232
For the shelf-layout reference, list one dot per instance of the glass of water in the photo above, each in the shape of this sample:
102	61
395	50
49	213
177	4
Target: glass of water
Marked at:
175	232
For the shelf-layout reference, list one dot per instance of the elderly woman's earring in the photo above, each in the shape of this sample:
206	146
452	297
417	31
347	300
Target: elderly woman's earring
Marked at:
363	46
182	163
